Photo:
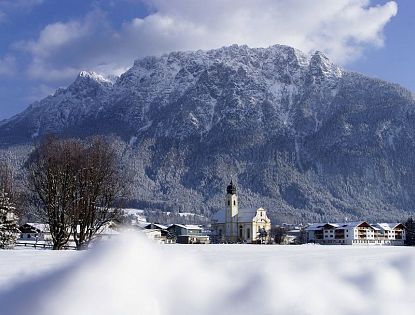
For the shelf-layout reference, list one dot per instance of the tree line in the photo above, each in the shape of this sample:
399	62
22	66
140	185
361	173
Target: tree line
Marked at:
75	186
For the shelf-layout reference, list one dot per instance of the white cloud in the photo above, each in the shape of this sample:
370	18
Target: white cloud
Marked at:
7	65
341	28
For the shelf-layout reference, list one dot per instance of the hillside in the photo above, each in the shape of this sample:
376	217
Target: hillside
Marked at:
300	136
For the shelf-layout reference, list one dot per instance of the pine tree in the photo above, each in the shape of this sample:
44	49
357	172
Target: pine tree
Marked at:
410	232
8	222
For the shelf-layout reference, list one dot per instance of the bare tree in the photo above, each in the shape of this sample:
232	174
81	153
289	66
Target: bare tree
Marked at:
99	187
75	187
52	179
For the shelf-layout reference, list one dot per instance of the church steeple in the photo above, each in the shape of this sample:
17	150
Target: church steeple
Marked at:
231	217
231	189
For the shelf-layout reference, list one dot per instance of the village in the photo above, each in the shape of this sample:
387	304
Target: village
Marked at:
234	225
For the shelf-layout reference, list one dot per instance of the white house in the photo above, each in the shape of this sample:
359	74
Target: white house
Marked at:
233	225
356	233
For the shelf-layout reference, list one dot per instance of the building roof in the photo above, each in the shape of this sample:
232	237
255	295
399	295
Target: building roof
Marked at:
42	227
187	227
246	214
351	225
387	226
219	217
155	225
193	227
341	225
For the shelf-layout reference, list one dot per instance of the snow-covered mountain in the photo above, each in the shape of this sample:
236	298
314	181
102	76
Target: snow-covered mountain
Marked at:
301	136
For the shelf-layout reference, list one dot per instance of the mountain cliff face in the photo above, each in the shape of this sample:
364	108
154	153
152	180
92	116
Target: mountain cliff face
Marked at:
302	137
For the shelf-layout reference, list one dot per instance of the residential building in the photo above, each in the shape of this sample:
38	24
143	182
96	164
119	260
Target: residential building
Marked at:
159	233
356	233
188	234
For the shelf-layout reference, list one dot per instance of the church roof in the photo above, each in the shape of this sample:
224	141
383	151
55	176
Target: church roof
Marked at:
244	215
247	214
219	216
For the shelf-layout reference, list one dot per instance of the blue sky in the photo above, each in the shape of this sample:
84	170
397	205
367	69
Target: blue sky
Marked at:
45	43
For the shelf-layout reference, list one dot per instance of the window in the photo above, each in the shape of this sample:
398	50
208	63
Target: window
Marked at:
240	232
229	202
248	233
234	202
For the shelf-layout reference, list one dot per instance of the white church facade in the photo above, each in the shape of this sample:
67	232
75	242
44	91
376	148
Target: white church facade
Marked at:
234	225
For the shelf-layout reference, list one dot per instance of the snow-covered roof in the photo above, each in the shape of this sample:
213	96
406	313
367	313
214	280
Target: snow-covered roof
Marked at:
193	227
219	217
160	226
340	226
244	215
387	226
247	214
43	227
314	226
187	227
350	225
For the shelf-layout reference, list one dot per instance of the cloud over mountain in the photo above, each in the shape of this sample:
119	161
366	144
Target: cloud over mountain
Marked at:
342	29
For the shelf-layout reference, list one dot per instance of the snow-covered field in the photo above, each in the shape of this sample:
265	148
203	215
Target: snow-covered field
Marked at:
134	276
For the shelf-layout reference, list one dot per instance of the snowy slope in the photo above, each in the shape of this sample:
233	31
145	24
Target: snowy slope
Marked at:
302	137
136	277
278	74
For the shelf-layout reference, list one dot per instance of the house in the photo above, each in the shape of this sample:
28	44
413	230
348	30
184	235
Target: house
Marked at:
356	233
160	233
34	232
233	225
188	234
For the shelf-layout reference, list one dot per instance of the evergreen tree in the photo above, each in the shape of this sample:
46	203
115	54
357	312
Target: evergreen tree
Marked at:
8	221
410	232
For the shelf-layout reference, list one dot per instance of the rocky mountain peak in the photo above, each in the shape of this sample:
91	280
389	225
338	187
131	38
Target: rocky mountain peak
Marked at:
94	76
321	66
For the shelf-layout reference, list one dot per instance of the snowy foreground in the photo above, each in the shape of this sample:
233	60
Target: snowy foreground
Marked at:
133	276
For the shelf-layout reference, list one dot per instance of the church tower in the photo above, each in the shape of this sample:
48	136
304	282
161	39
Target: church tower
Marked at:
231	216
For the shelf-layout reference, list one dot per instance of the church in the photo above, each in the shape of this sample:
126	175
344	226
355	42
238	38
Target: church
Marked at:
234	225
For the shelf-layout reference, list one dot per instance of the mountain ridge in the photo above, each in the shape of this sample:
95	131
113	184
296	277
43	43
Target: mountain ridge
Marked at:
302	136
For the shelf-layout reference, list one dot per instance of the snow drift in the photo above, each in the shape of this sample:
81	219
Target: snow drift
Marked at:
134	276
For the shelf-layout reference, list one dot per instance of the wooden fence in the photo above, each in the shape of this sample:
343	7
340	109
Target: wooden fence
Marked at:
41	245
